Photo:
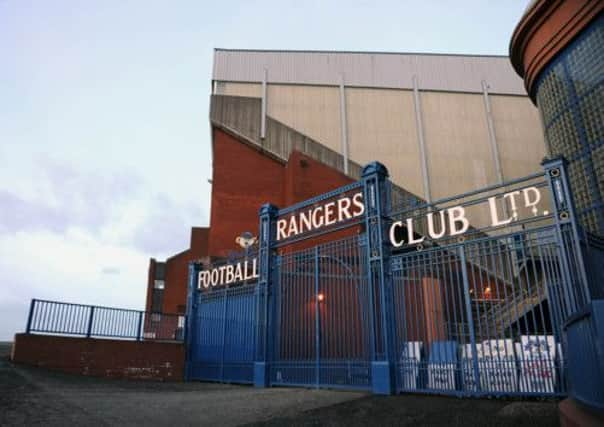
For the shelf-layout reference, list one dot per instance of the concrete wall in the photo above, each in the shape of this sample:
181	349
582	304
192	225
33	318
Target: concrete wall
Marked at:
381	125
145	360
311	110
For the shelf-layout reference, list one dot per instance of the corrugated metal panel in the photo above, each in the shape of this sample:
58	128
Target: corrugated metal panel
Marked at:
456	73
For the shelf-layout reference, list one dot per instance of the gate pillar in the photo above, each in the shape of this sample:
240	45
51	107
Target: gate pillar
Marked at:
267	215
573	266
191	317
376	195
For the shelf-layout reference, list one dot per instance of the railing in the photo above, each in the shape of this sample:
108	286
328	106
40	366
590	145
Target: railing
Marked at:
61	318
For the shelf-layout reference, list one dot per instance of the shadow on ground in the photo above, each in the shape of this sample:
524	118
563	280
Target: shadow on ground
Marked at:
37	396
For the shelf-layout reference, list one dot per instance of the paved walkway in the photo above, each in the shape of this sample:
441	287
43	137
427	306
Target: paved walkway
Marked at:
36	396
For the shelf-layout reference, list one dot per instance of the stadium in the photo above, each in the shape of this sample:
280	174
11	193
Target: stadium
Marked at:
399	222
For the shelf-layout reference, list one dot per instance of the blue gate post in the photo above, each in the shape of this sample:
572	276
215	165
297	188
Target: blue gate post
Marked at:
376	197
564	214
268	214
191	318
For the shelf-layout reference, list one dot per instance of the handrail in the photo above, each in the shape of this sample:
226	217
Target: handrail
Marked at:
64	318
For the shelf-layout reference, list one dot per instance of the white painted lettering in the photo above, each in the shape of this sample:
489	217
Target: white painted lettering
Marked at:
293	227
410	238
343	209
527	201
281	224
495	221
456	215
443	227
357	201
317	217
396	243
330	217
305	221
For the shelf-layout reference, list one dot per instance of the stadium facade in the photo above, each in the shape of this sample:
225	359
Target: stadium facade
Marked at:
442	125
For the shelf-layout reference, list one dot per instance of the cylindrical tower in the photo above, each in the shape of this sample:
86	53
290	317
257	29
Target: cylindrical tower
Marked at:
558	48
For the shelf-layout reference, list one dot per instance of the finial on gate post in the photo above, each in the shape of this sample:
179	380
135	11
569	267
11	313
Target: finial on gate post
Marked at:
374	168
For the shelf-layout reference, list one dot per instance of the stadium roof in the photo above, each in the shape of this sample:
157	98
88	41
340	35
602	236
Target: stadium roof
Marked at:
439	72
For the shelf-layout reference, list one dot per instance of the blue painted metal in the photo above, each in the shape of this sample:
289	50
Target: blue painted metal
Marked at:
191	326
263	342
475	316
377	206
320	198
223	347
29	316
585	337
470	317
61	318
319	317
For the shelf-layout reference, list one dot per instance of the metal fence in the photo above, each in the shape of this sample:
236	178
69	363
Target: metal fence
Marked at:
468	295
320	317
462	329
61	318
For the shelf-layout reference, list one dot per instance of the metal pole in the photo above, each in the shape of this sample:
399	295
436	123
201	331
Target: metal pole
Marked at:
343	124
420	138
90	317
140	322
224	331
263	105
491	129
466	294
317	320
29	317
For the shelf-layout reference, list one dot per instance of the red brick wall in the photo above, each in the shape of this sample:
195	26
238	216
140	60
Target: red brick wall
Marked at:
145	360
243	179
177	273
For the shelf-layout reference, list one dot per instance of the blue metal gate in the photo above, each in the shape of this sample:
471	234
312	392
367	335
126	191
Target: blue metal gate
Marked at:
321	317
407	297
223	334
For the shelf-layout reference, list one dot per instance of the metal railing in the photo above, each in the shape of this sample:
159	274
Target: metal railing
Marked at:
62	318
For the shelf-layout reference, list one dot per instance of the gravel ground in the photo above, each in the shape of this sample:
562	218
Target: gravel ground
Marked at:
31	396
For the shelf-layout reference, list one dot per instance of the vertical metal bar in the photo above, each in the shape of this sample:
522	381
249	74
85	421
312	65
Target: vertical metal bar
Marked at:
263	105
491	130
419	126
466	291
139	327
90	318
317	320
224	328
343	124
32	306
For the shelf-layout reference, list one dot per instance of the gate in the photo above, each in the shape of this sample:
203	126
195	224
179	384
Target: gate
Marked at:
481	314
222	334
321	318
463	296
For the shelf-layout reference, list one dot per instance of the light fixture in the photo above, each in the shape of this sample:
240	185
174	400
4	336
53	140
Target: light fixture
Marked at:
320	297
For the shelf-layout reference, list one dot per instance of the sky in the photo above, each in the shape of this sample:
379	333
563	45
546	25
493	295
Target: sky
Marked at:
105	150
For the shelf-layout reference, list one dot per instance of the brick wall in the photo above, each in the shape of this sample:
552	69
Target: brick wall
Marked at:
176	277
244	178
145	360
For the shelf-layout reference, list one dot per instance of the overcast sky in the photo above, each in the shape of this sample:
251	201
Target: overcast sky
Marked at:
104	132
